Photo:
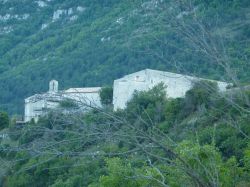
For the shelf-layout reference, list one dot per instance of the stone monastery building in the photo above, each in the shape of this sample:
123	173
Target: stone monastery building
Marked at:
176	86
39	104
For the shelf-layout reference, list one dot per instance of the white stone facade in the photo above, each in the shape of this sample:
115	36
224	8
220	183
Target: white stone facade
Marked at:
39	104
84	96
123	89
176	85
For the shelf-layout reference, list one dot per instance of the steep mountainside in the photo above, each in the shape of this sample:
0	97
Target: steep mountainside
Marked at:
92	42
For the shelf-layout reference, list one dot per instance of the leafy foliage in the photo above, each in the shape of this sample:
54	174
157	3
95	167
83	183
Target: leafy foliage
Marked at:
95	150
148	104
67	103
4	120
200	95
106	95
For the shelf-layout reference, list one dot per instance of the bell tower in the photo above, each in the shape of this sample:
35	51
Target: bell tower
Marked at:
53	86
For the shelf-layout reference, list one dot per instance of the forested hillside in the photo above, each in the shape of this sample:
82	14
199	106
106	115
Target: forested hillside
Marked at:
201	140
92	42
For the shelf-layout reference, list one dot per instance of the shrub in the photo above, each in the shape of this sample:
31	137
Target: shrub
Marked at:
199	95
148	104
68	103
4	120
106	95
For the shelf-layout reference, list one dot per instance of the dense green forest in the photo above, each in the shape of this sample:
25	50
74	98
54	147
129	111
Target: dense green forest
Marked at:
92	42
199	140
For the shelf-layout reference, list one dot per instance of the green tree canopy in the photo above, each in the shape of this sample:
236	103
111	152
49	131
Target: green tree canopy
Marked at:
106	95
4	120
